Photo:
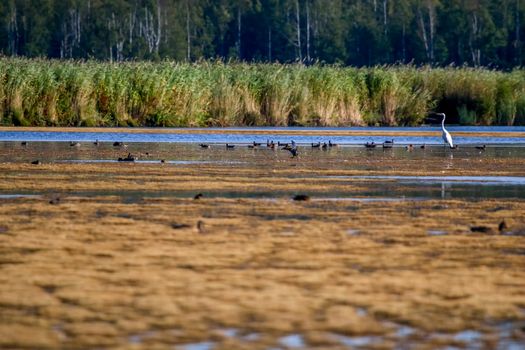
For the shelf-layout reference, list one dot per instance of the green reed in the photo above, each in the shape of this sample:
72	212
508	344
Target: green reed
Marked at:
39	92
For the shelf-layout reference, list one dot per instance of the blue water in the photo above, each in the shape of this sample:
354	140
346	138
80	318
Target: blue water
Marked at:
234	138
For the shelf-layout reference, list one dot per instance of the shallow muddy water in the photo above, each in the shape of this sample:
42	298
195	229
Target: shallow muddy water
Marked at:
336	159
395	248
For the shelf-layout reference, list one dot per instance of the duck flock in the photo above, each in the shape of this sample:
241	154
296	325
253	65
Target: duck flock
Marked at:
291	147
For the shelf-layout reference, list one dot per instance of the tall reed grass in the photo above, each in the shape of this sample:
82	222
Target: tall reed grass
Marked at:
42	92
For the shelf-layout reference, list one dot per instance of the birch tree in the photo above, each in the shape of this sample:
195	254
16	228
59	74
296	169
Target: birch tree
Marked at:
426	17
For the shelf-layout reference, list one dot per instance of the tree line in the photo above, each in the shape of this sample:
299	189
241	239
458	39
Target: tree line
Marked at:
347	32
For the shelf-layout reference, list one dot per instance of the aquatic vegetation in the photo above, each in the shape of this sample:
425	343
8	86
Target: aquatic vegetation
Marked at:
38	92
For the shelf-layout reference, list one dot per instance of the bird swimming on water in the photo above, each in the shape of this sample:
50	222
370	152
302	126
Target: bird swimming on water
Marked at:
445	135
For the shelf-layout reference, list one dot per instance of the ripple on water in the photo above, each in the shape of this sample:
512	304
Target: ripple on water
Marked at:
238	334
477	180
368	199
207	345
251	337
470	337
356	341
437	233
228	332
506	335
404	331
292	341
18	195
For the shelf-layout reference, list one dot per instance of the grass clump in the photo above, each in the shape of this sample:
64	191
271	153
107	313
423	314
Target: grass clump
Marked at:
38	92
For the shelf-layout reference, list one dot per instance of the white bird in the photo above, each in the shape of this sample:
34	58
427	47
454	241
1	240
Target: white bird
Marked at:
445	134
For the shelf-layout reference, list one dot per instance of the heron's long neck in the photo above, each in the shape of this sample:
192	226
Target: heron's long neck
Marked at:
443	123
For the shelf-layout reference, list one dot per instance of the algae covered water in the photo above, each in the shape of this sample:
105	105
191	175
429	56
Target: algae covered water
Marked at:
208	247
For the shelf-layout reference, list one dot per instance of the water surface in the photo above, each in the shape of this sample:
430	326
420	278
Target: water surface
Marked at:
278	135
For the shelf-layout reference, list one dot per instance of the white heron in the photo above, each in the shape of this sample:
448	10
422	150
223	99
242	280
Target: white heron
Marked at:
445	134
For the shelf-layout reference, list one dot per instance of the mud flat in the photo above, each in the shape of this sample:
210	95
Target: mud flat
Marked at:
111	255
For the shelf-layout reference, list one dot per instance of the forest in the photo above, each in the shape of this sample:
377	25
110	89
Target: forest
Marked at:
346	32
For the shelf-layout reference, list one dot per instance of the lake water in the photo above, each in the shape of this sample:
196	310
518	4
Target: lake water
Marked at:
229	135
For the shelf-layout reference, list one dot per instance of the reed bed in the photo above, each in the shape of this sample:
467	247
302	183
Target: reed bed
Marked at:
39	92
